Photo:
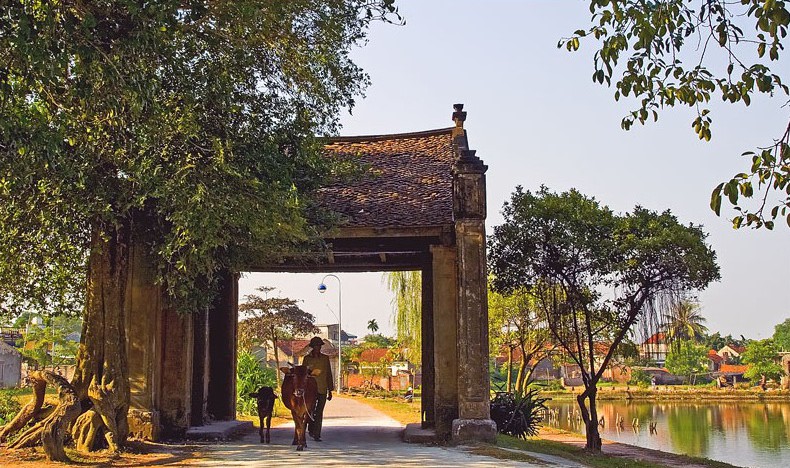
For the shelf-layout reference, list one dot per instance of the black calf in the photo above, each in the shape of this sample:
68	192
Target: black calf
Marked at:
265	397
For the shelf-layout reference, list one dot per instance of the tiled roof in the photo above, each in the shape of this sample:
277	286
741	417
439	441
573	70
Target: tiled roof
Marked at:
713	356
656	338
733	368
372	355
407	180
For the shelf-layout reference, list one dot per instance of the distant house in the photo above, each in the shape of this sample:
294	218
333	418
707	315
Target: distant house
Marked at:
292	351
655	349
10	366
329	332
714	361
730	353
375	359
11	336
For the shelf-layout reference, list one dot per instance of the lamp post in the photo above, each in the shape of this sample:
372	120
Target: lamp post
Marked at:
322	289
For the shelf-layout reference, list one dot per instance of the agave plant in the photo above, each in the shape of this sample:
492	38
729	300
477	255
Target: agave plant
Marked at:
518	413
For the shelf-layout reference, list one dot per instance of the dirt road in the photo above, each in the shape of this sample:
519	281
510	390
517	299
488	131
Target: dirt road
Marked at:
354	435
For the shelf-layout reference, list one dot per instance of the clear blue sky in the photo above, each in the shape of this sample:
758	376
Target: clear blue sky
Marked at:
535	117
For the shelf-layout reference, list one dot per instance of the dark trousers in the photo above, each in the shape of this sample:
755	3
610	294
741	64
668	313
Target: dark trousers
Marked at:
314	426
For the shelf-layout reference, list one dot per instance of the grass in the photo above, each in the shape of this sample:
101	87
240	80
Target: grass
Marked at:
396	408
596	460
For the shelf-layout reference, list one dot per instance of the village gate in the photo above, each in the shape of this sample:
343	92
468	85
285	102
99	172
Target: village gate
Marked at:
420	206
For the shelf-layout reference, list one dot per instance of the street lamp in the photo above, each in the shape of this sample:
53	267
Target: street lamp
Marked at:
322	289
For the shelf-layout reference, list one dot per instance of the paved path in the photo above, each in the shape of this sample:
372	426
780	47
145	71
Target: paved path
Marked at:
354	435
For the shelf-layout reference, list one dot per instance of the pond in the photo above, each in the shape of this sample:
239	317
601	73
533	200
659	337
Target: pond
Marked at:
742	433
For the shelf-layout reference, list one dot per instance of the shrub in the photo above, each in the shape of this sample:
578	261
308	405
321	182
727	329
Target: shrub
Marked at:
518	414
249	377
639	377
9	406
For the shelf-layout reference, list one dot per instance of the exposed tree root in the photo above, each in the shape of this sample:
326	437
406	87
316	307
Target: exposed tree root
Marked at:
85	430
50	431
30	410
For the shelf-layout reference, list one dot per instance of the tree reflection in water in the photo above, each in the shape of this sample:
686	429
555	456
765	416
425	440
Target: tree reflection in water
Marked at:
742	433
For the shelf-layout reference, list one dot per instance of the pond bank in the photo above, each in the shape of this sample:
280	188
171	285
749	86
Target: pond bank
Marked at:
621	450
670	393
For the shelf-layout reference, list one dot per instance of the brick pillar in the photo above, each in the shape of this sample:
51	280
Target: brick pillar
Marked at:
469	210
445	349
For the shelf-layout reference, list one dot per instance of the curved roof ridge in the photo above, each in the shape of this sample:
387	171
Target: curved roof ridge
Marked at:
392	136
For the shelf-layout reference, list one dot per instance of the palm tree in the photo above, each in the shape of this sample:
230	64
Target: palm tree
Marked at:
685	322
373	326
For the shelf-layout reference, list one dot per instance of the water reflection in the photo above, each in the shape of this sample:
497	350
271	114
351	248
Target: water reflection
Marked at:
746	434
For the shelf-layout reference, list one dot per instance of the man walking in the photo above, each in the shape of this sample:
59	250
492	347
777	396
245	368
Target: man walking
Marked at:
318	360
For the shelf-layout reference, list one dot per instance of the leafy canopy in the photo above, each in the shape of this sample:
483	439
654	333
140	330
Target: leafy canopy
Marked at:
686	358
272	319
595	273
782	335
670	53
761	356
192	122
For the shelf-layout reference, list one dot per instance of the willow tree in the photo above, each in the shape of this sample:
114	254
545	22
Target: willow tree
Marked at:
517	323
182	127
595	273
407	310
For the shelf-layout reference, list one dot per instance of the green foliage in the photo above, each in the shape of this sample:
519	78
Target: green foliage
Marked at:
761	357
250	376
685	322
516	321
272	319
716	341
568	248
652	53
639	377
518	414
47	344
781	335
373	326
377	340
595	274
407	310
191	122
686	357
9	406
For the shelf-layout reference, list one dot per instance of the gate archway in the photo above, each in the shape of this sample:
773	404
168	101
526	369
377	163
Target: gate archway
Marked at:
421	205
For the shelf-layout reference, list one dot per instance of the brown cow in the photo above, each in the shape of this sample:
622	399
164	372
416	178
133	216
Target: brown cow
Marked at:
299	394
265	397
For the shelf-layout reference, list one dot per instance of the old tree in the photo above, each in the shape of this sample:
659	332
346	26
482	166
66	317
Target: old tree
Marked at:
182	127
272	319
595	274
667	53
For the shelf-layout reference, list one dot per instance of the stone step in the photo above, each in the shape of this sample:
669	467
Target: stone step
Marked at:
415	434
219	430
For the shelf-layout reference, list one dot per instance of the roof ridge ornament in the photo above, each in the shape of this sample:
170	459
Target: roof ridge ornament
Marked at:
459	116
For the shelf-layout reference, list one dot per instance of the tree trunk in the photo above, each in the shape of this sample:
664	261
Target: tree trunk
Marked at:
520	376
509	387
101	378
276	360
590	418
